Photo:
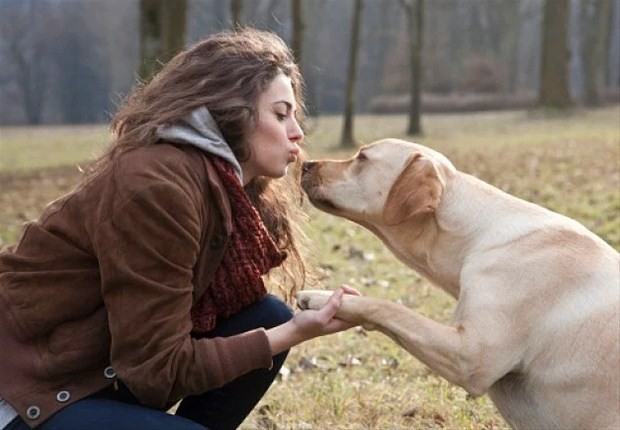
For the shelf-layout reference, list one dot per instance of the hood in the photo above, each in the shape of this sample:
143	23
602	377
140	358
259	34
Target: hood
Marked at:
199	129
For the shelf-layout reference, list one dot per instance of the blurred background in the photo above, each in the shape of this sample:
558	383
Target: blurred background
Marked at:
72	61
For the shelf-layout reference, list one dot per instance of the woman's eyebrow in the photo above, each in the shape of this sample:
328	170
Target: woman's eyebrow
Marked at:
289	106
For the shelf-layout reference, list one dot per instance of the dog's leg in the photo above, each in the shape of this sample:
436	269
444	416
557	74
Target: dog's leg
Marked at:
460	353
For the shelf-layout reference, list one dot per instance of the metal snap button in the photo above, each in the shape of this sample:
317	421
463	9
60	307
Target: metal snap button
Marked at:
33	412
109	373
63	396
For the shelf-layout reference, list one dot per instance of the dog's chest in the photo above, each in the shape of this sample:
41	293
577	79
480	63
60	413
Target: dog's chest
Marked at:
517	403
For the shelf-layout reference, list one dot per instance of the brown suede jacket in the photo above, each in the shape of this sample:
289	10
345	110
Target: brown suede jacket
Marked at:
101	286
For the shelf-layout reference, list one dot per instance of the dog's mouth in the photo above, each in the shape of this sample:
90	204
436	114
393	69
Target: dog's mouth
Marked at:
323	204
308	182
311	186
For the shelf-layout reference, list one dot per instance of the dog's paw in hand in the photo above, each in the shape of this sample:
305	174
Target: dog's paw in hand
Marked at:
312	299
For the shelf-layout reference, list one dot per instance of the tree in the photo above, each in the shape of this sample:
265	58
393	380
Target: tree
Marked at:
162	33
299	26
612	77
595	15
236	8
554	83
299	29
309	60
81	87
25	42
347	140
513	10
414	10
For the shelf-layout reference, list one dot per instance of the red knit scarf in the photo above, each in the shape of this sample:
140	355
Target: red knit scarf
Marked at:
251	253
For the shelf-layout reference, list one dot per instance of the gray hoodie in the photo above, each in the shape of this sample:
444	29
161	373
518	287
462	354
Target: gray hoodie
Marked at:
199	129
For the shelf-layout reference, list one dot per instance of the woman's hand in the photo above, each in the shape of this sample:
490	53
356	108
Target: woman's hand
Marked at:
313	323
309	324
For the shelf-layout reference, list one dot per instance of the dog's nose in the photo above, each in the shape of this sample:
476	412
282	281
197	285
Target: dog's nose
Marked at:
307	165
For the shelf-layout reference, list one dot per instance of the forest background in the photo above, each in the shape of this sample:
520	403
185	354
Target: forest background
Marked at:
73	61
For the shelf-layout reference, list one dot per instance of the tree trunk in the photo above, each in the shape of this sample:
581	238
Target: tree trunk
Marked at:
162	33
348	140
312	12
554	83
299	27
513	9
236	8
595	16
415	25
26	51
612	57
173	27
299	30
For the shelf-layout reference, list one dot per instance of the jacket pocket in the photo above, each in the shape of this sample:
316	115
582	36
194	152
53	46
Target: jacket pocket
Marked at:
78	344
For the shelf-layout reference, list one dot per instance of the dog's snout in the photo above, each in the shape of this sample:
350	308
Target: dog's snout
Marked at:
307	165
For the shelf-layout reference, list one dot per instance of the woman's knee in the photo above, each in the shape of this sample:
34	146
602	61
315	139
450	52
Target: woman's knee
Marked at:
268	312
275	311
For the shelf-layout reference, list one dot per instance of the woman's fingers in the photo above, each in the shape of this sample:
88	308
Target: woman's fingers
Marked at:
333	303
350	290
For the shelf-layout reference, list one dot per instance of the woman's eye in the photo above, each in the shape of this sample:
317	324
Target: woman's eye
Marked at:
281	116
361	156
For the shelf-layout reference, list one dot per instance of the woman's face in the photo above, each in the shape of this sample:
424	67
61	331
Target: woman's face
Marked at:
273	143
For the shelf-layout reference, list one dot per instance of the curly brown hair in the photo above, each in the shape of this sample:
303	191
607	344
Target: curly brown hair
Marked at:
226	72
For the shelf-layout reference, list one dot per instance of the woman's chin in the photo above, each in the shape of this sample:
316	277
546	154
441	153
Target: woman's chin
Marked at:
281	173
276	174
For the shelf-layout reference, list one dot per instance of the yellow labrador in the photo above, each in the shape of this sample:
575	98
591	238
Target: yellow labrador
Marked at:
537	323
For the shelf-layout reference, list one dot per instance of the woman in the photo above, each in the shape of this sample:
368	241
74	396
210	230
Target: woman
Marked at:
143	286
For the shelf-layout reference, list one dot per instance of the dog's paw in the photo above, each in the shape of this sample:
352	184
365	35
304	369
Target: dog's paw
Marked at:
312	299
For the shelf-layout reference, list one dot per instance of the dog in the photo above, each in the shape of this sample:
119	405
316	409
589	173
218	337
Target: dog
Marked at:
537	324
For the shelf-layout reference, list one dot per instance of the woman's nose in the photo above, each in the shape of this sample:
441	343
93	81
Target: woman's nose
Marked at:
296	134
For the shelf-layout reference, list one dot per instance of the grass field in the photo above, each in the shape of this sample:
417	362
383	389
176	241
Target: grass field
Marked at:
358	379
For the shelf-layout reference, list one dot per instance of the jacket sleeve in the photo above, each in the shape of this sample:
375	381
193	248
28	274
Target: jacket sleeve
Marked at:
147	250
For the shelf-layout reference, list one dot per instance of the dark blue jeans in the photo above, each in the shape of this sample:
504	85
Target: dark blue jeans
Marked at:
223	408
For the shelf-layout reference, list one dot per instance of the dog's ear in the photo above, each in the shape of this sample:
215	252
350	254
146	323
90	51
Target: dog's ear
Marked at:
417	190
